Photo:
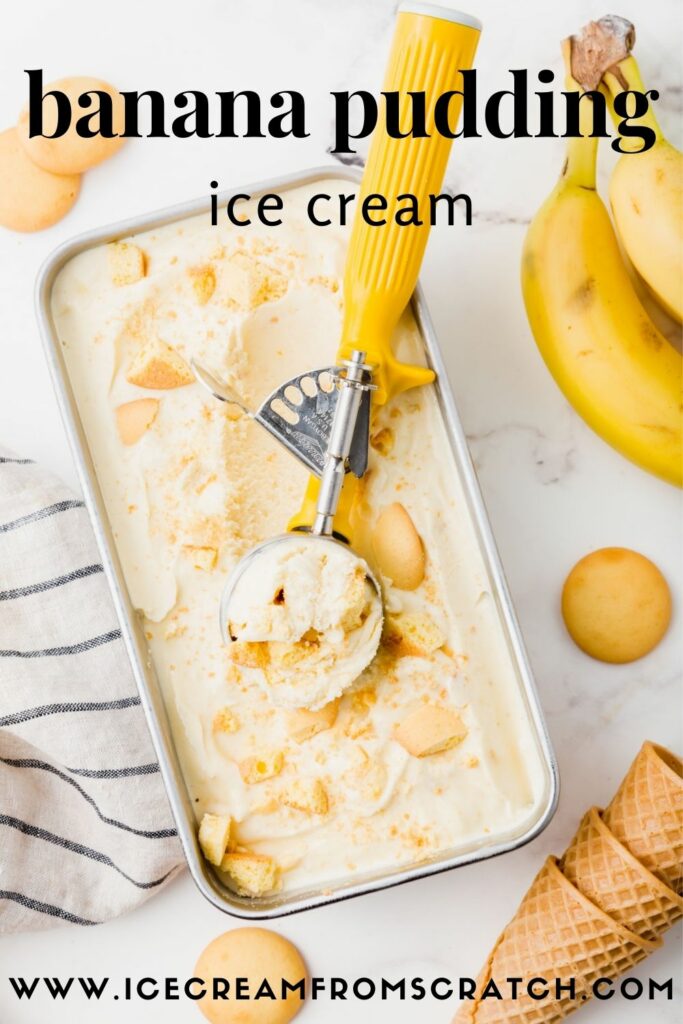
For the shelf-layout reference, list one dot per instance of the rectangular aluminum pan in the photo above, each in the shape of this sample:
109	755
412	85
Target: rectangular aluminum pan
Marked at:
207	880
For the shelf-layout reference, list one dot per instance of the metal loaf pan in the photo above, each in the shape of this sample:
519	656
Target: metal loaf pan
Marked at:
208	882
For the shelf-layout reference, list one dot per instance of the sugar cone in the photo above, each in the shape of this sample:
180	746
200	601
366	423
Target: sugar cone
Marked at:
556	933
646	814
611	877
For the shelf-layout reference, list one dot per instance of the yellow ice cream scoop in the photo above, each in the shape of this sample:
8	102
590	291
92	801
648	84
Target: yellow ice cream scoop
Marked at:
431	47
323	416
310	606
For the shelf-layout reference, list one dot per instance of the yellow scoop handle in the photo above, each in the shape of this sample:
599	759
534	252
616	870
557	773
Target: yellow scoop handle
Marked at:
383	261
431	46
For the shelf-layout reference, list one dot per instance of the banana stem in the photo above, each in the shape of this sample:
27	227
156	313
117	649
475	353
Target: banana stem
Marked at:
582	150
600	57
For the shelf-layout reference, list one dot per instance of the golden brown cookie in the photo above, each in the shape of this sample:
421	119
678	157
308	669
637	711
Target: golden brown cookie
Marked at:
398	548
616	605
30	198
303	724
159	367
413	634
255	954
133	419
430	729
71	154
249	873
306	795
127	263
214	836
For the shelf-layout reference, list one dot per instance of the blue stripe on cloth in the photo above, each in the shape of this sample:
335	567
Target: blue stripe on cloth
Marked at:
162	833
43	908
58	652
58	581
44	710
115	773
41	513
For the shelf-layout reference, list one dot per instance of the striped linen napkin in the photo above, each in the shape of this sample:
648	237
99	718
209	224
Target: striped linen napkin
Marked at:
85	829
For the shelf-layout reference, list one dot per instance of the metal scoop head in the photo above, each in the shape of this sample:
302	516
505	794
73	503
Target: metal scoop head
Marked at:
299	414
252	563
350	388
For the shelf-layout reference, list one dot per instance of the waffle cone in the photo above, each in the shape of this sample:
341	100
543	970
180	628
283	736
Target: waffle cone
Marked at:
556	933
646	814
612	878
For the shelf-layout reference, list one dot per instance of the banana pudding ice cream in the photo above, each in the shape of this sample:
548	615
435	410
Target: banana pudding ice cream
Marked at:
305	617
300	781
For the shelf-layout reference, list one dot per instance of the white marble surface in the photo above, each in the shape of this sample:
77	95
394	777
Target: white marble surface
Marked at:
553	489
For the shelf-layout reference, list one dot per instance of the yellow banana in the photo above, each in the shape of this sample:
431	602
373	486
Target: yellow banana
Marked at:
646	193
617	370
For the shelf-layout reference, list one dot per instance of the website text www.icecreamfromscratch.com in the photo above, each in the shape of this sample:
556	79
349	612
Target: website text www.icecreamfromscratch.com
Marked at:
362	989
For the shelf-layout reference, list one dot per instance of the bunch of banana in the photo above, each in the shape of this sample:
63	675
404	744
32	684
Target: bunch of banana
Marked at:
618	371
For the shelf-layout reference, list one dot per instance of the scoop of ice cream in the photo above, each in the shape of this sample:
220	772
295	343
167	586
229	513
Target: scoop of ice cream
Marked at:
306	618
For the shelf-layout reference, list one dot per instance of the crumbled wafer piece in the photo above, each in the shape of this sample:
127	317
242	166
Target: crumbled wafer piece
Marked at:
374	780
414	634
134	418
250	874
258	769
127	263
368	777
250	654
225	720
356	600
398	548
214	836
325	281
286	654
233	412
383	441
159	367
202	557
302	724
358	723
430	729
307	795
248	283
363	700
174	630
357	726
203	280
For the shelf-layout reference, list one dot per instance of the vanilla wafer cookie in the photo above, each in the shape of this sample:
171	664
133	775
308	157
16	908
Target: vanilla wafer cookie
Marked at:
31	198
